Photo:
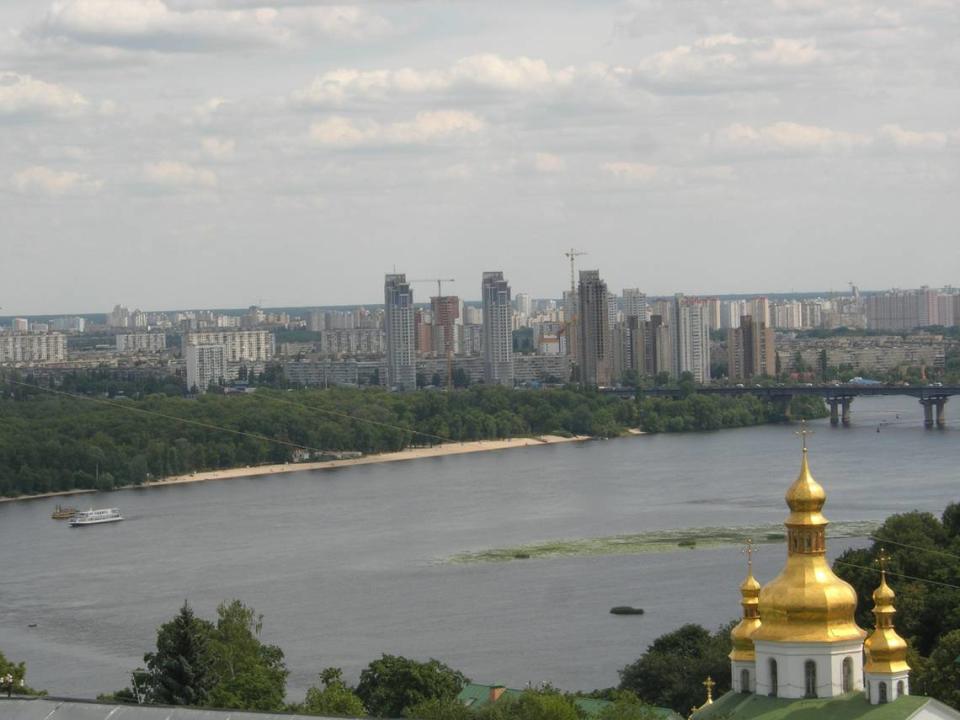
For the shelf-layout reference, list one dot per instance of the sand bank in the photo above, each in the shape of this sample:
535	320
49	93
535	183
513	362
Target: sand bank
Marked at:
408	454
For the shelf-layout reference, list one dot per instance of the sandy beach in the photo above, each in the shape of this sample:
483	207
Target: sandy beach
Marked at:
408	454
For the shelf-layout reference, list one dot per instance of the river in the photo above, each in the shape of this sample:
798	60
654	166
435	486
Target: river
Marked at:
350	563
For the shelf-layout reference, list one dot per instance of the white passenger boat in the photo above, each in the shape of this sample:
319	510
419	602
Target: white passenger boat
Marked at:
95	517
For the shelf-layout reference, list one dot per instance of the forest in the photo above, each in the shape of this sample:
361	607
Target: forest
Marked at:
53	440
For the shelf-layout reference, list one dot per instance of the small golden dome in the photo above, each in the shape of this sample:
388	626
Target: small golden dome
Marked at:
742	633
805	498
807	602
886	650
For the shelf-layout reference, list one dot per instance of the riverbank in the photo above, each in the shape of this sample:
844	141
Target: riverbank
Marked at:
408	454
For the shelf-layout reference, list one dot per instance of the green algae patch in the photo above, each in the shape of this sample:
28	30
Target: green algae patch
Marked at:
685	539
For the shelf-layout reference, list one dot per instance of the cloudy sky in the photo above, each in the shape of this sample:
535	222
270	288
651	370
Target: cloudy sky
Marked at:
198	153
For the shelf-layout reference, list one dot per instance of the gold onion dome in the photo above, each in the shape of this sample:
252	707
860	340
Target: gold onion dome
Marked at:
886	650
806	602
742	633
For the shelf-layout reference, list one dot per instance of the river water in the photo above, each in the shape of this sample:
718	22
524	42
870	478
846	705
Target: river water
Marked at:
347	564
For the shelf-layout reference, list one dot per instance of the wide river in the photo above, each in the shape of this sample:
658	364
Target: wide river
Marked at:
351	563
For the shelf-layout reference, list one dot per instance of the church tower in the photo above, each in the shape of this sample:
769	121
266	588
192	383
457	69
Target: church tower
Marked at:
887	672
742	658
808	643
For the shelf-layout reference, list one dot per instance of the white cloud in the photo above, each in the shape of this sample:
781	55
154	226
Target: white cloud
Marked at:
899	138
796	139
155	25
485	72
727	61
178	175
633	172
23	95
425	128
45	181
219	148
786	138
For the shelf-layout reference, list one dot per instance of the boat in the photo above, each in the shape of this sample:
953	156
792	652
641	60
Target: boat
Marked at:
63	513
95	517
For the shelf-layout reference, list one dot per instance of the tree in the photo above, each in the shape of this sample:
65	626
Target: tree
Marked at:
439	709
532	705
180	672
250	674
392	684
335	699
627	706
672	671
940	677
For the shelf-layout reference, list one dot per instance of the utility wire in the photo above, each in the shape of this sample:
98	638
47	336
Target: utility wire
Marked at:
901	575
885	541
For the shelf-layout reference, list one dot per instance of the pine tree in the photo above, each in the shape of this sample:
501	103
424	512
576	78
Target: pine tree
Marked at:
180	671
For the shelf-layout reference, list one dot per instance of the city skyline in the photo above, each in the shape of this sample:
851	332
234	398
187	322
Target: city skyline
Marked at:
303	146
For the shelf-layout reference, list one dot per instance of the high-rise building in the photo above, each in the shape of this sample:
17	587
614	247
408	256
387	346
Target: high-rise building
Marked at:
446	314
21	325
398	324
657	347
750	350
497	330
33	348
206	364
692	338
595	349
634	304
571	304
524	304
141	343
239	345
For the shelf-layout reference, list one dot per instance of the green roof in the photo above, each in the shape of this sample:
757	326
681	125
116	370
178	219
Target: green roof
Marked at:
852	706
476	696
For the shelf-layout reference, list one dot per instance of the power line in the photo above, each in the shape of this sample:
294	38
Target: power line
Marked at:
885	541
901	575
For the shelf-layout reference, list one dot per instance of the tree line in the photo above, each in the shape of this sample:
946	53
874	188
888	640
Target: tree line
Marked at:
55	442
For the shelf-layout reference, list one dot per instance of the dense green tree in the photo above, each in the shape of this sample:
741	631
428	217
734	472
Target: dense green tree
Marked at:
251	675
627	706
439	709
334	698
180	671
672	670
532	705
392	684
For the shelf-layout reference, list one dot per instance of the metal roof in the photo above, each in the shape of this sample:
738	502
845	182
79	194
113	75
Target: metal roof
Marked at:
50	708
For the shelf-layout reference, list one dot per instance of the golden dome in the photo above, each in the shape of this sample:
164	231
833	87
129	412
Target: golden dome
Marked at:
742	633
886	650
806	602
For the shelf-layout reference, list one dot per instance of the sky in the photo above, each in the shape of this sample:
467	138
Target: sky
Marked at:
223	153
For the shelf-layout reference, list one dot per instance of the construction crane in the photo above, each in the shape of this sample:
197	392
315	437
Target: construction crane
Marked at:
446	341
438	281
572	254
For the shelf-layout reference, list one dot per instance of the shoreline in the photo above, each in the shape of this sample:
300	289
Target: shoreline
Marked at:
444	450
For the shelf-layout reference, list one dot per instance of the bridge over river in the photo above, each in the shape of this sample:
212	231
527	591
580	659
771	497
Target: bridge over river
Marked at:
933	398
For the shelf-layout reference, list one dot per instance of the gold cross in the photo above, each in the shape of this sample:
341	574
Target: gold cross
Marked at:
882	559
803	432
749	550
709	684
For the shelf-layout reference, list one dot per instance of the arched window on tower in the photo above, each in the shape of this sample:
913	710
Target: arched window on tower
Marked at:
810	678
847	674
773	677
883	692
900	688
744	681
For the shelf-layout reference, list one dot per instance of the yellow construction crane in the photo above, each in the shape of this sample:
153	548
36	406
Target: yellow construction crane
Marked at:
447	341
